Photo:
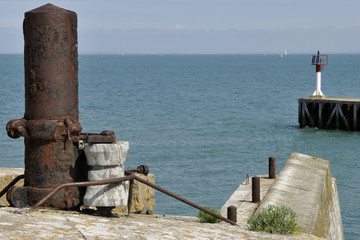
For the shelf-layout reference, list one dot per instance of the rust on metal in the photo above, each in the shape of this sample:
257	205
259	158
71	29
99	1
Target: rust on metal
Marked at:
97	138
183	200
255	189
55	166
51	64
51	127
43	130
17	196
51	119
232	213
130	196
79	184
130	177
272	167
144	169
16	128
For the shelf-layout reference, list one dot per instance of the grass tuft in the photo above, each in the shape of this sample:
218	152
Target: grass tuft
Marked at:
207	218
275	219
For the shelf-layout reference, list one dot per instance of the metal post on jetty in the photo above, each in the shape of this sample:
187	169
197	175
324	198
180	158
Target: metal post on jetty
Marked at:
50	125
60	159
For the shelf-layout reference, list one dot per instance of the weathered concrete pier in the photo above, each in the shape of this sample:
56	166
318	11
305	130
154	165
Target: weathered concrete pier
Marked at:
61	160
20	223
306	186
330	113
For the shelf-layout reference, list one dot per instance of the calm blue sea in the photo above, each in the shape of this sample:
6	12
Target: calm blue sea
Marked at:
202	122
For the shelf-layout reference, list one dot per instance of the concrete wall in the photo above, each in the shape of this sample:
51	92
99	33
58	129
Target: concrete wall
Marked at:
305	185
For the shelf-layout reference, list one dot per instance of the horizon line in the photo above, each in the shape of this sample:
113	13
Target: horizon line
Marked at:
202	53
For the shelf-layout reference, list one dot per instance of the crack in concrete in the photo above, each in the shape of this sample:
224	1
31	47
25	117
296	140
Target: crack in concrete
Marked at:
73	226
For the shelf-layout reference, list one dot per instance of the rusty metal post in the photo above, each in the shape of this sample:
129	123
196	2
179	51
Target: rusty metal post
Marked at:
131	185
232	214
255	189
51	122
272	167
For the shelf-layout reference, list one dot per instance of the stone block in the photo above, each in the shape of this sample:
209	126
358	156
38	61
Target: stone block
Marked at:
143	197
107	162
109	195
103	154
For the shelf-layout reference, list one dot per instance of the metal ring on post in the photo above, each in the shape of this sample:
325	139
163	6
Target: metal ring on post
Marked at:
142	169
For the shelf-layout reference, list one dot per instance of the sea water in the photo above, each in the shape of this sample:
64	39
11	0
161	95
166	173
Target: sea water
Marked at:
203	122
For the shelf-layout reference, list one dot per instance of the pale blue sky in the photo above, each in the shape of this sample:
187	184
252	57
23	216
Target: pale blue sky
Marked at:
199	26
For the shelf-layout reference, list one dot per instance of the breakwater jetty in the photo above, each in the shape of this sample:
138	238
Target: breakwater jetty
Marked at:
304	184
330	113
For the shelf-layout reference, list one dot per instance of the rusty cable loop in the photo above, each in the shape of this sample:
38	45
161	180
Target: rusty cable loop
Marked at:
81	184
183	200
12	183
130	176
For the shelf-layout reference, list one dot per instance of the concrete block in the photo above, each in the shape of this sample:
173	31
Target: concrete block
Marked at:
109	195
107	162
102	154
143	197
106	173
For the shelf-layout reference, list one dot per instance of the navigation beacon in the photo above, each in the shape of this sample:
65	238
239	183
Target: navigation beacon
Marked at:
319	61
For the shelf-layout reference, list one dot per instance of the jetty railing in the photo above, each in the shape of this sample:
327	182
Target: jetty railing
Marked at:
130	177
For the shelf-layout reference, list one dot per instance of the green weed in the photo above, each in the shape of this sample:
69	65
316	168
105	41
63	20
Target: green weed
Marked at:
207	218
275	219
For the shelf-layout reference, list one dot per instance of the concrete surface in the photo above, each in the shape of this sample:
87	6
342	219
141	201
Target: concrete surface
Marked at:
52	224
55	224
305	185
333	99
242	199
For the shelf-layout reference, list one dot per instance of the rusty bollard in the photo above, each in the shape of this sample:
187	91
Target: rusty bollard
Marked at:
272	167
255	189
51	122
232	214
